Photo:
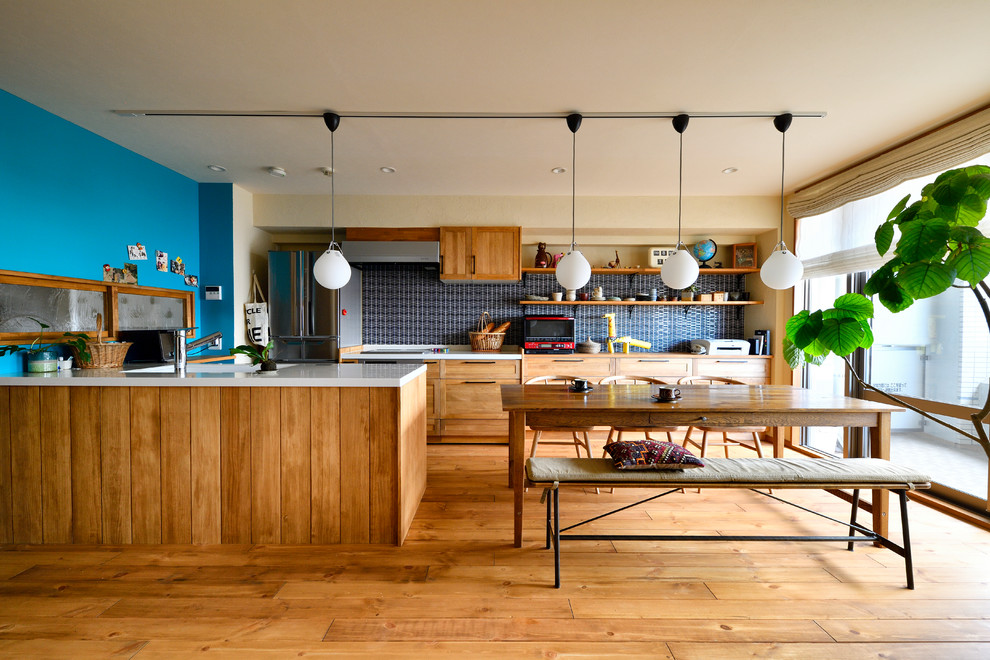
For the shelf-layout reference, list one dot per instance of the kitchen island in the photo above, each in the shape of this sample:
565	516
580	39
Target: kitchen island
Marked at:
321	454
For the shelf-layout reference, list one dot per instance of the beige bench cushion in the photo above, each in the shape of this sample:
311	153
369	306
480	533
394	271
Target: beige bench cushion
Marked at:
735	473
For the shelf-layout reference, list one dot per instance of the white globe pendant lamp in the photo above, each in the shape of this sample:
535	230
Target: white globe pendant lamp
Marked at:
573	270
680	270
782	269
331	270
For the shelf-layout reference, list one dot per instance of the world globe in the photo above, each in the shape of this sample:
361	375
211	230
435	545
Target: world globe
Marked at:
704	250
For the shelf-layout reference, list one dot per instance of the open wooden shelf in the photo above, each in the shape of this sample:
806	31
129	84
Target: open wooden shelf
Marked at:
648	271
641	302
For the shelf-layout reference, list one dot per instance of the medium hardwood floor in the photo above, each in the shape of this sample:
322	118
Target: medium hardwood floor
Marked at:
458	588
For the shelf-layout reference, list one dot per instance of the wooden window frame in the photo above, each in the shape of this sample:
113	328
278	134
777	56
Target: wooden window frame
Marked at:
111	318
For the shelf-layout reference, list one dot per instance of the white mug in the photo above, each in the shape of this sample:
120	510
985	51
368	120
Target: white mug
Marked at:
557	295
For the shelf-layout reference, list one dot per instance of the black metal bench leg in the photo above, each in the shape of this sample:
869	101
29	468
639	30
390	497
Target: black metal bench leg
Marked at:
906	536
546	494
556	538
852	518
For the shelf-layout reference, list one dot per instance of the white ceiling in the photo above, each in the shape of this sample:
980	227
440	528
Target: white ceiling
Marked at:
882	70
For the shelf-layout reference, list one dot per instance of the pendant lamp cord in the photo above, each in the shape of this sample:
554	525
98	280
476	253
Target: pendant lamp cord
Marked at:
783	140
680	184
333	226
573	185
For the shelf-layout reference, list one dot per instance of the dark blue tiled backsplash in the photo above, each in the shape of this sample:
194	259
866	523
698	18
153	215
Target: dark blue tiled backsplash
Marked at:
405	304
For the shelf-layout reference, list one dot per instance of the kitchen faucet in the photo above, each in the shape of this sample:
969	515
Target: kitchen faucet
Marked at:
181	347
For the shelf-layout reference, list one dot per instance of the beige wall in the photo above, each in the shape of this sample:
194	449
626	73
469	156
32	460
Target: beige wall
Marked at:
251	247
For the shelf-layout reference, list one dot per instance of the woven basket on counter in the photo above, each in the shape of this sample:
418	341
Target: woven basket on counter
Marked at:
486	341
103	355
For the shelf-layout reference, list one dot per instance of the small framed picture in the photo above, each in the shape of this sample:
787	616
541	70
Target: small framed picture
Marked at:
744	255
658	255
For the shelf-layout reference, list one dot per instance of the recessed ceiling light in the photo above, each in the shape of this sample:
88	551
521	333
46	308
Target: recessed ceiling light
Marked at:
386	170
730	170
216	168
559	170
277	171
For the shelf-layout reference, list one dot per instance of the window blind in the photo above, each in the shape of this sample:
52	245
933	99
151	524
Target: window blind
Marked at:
945	147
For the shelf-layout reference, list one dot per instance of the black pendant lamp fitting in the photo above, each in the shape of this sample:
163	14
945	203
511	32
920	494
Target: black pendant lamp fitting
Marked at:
332	120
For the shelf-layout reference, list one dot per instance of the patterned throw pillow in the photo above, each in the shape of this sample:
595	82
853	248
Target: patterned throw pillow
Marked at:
651	455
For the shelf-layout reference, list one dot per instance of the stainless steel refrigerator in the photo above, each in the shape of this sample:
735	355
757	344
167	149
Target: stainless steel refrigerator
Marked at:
308	322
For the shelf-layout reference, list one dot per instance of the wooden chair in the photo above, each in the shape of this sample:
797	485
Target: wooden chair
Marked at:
755	431
616	431
577	440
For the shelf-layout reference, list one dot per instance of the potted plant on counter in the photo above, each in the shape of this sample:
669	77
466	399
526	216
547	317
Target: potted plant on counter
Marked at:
41	357
688	293
257	356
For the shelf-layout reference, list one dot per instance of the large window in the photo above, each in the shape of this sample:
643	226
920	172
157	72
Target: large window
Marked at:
936	354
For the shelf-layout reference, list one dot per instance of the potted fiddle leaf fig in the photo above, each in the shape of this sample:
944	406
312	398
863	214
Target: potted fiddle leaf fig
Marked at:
937	247
257	356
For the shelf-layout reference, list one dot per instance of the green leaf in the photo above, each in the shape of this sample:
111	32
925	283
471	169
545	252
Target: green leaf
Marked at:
867	340
924	280
950	187
842	336
971	210
879	279
792	354
901	205
922	239
967	235
883	237
893	296
980	182
815	349
816	360
855	305
803	327
971	262
908	214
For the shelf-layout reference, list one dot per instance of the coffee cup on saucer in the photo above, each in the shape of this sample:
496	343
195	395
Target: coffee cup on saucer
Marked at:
580	385
667	393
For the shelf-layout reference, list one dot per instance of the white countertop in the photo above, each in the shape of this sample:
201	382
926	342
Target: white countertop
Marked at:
224	375
415	352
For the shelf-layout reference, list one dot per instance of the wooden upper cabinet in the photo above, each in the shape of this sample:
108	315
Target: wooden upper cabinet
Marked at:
480	253
455	253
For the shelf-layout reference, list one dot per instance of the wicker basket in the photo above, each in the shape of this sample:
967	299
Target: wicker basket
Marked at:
486	341
103	355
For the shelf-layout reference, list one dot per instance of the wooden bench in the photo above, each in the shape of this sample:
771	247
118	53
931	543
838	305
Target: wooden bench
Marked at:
550	473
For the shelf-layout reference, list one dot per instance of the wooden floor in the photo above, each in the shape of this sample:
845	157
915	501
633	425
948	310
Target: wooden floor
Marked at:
457	588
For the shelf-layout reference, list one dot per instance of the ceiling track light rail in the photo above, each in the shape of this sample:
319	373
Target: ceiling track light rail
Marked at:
465	115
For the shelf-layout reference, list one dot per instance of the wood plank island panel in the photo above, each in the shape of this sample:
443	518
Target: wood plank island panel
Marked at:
293	465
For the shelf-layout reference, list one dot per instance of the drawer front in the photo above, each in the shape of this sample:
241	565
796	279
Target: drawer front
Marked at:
752	371
474	399
432	368
481	369
568	365
475	427
657	367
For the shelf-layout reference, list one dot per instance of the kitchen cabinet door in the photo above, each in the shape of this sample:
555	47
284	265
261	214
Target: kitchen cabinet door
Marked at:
657	367
455	253
481	369
474	399
752	371
592	368
495	253
480	253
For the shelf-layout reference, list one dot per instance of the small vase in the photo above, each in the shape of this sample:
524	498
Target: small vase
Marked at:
572	294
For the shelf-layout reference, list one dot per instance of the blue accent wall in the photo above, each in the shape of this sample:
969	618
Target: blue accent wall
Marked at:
216	236
71	201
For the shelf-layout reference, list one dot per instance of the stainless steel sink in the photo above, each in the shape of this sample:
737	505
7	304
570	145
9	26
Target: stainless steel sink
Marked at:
204	368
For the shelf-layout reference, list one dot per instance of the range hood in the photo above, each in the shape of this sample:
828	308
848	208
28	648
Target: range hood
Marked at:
391	252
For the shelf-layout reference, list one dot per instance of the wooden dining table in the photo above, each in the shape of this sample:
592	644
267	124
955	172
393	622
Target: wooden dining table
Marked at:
774	406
